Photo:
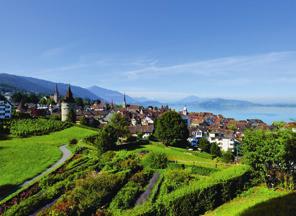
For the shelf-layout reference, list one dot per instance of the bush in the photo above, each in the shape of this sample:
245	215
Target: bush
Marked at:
73	141
126	197
173	179
90	193
215	150
204	145
157	160
227	157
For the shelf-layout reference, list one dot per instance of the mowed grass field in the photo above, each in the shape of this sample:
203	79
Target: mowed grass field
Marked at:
246	201
24	158
183	156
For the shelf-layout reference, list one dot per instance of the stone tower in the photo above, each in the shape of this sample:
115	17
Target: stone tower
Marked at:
68	106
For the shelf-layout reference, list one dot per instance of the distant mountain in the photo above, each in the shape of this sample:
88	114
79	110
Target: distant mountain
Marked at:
189	99
110	95
214	103
21	83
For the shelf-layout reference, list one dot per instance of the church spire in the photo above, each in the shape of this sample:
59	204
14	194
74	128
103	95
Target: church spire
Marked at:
124	101
69	95
56	94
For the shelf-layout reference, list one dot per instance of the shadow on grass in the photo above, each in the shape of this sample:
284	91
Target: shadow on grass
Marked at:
129	146
7	189
281	206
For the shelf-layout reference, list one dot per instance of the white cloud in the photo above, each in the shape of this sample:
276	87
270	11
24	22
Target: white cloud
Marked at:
267	66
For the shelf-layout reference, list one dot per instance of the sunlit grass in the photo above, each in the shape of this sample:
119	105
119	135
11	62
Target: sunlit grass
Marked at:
24	158
246	200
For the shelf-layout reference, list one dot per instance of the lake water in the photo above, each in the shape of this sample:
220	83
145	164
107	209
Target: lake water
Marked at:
266	114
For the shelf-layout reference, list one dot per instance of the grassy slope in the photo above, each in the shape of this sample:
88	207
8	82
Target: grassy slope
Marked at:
22	159
183	156
245	201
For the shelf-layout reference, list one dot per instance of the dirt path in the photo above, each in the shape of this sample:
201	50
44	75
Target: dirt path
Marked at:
144	196
66	154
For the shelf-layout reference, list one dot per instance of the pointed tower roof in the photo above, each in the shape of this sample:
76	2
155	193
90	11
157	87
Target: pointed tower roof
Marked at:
56	89
124	101
69	96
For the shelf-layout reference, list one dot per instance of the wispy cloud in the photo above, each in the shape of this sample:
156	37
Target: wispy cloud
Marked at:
269	66
53	52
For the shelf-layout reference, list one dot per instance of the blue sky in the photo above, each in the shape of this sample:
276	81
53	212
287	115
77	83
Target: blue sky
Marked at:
161	49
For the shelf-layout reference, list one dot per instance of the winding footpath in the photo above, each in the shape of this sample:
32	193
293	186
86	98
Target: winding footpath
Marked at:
66	154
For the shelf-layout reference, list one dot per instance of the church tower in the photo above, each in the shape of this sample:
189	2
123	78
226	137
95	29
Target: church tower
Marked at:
56	95
68	107
124	101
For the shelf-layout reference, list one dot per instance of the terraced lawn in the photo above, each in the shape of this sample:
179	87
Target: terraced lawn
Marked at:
246	201
24	158
183	156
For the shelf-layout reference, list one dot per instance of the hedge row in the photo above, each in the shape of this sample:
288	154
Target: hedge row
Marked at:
34	127
200	196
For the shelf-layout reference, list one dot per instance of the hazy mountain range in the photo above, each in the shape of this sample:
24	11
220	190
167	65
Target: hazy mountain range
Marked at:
10	82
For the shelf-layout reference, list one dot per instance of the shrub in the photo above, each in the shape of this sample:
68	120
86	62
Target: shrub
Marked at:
157	160
227	157
90	193
204	145
173	179
215	150
126	197
73	141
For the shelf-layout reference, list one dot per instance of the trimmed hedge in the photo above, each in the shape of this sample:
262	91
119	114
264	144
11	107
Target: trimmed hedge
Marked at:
200	196
34	127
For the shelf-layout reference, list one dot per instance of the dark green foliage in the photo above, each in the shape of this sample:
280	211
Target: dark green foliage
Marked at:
123	160
73	141
204	145
215	150
171	129
271	154
71	116
33	127
83	121
120	124
27	98
227	156
106	139
127	196
89	194
157	160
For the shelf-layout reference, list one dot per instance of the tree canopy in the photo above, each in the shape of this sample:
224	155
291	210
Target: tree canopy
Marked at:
271	154
171	129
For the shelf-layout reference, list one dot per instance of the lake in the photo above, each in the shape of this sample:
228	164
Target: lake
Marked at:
266	114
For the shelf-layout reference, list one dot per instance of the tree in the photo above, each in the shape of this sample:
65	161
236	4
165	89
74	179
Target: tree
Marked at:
215	150
204	145
120	123
271	154
79	102
171	129
83	120
72	116
106	139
